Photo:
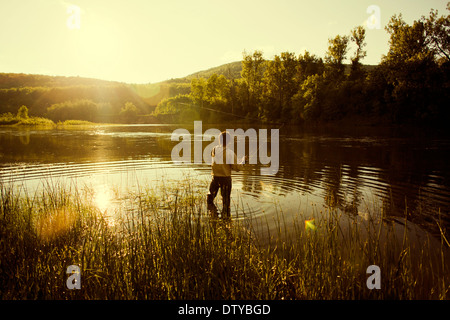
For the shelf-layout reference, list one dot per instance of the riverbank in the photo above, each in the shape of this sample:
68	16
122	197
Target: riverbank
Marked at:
163	245
9	120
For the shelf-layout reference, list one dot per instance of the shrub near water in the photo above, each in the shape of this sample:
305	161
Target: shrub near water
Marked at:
22	119
163	246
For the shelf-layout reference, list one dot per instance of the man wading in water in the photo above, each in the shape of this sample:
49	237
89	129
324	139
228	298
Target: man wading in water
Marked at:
223	161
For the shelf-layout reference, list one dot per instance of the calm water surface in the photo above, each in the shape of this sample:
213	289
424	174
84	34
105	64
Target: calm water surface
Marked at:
352	170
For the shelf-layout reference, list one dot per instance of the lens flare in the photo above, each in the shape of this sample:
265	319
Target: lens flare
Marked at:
309	225
51	224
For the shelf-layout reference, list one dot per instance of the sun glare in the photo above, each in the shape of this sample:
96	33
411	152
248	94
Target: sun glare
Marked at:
51	224
102	198
96	45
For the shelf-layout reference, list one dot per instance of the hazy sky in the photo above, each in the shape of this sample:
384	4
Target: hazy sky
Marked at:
141	41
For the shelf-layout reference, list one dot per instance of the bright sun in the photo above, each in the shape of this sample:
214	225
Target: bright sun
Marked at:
94	42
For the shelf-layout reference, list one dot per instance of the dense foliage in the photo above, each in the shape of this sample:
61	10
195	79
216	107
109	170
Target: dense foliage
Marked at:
411	84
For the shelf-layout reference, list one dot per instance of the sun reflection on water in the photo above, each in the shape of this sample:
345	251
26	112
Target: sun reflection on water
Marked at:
102	198
104	201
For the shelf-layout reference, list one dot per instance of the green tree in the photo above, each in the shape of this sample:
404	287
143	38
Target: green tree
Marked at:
81	109
252	73
410	70
305	102
280	86
308	65
406	42
213	93
335	56
178	109
240	97
358	36
437	33
22	113
129	113
333	104
312	91
198	91
217	90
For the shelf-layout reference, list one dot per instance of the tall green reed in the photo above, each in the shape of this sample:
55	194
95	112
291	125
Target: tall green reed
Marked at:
161	244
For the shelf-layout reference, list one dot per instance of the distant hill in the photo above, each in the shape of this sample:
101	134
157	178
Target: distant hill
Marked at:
230	70
41	92
233	71
21	80
38	92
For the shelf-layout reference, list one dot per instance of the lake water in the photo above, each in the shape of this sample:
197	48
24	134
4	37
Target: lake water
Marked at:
353	170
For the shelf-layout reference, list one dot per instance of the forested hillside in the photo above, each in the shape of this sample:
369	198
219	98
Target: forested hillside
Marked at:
62	98
410	85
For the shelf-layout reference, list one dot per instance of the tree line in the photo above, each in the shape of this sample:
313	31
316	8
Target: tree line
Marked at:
96	103
410	85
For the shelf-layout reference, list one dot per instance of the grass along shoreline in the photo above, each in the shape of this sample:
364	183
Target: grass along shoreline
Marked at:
162	245
11	120
22	119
